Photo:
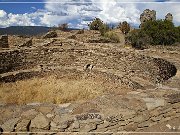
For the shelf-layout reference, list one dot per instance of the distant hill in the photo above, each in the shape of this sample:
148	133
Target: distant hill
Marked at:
24	30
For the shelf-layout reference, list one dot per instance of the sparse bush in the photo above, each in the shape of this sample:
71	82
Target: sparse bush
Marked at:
63	27
103	29
124	27
114	37
95	24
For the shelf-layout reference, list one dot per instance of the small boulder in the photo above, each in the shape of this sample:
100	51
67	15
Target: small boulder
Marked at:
40	122
169	17
50	34
9	125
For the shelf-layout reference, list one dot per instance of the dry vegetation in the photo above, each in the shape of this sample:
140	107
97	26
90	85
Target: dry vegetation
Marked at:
51	90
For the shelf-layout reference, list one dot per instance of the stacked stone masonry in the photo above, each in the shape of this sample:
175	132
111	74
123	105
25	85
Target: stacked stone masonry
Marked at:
65	118
156	70
4	41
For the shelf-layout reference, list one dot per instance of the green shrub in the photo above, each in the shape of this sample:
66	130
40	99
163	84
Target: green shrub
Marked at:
114	37
159	32
178	33
124	27
162	32
138	39
95	24
63	27
103	29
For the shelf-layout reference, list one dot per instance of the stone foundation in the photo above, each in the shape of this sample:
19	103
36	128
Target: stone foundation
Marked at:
134	112
4	41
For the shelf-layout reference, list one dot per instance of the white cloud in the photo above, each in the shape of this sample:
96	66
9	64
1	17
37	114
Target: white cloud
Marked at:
80	12
110	12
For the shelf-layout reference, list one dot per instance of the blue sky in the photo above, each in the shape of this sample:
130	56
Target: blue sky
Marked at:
77	13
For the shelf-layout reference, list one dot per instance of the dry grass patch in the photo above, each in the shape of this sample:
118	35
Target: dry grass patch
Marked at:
50	90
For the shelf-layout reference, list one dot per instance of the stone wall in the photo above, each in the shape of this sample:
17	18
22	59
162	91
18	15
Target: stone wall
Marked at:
125	63
132	112
4	41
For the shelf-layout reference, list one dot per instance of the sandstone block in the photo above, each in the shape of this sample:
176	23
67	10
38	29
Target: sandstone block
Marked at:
9	125
40	122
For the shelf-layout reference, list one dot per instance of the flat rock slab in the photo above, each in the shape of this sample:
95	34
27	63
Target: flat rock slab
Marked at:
40	122
10	125
152	103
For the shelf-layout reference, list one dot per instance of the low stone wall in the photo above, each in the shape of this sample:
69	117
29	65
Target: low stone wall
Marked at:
133	112
4	41
125	63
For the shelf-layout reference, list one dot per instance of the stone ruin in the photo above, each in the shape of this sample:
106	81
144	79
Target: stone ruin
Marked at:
27	43
138	109
150	15
50	34
147	15
4	41
169	17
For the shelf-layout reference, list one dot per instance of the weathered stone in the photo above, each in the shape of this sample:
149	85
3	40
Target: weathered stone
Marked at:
170	114
157	118
75	127
103	125
174	98
177	115
40	122
128	114
166	119
113	128
140	118
65	124
131	127
27	43
88	127
121	129
152	103
144	124
10	125
49	115
178	110
6	114
57	119
176	105
147	15
169	17
4	41
30	114
123	123
51	34
45	109
165	110
23	125
91	121
155	112
55	127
